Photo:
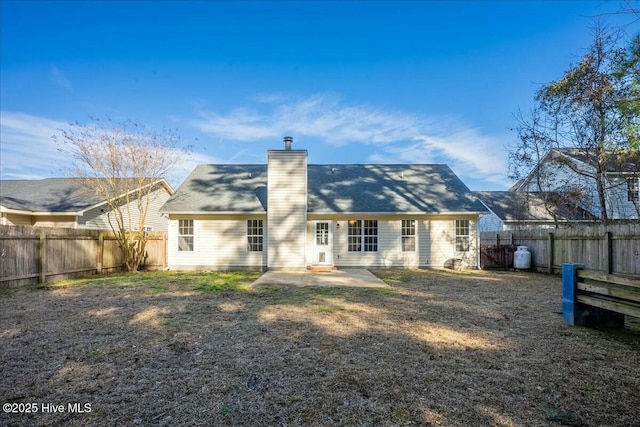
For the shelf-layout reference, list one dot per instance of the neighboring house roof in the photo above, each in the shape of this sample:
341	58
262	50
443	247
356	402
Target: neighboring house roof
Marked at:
331	189
512	206
59	195
625	161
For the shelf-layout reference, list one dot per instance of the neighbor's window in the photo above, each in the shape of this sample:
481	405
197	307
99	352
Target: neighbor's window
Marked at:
255	233
363	235
408	235
462	235
633	189
185	235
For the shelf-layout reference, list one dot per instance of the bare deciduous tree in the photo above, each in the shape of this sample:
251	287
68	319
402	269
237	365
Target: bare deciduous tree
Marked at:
124	163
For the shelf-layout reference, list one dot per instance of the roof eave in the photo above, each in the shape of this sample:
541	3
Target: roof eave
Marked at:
4	209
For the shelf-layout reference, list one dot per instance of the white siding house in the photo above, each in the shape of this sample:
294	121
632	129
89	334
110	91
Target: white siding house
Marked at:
64	203
564	168
291	215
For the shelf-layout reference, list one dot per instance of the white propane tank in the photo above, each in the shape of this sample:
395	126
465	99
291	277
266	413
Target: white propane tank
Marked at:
522	258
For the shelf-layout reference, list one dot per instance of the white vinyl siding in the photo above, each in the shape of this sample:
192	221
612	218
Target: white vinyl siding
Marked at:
621	189
220	244
97	218
434	240
287	208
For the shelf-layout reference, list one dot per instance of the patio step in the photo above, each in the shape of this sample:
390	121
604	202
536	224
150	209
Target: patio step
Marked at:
321	268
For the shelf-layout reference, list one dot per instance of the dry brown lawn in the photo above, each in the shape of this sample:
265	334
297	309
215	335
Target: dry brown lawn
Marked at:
436	348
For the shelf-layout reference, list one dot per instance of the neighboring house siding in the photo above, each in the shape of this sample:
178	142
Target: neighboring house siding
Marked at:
617	198
220	243
287	208
491	222
55	221
17	219
97	218
62	221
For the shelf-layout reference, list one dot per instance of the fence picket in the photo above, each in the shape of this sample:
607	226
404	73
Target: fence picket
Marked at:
614	249
30	255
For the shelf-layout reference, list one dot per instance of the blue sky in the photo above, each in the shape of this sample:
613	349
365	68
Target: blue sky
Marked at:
352	82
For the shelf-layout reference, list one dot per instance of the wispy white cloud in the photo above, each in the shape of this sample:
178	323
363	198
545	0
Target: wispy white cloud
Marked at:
27	150
397	136
59	78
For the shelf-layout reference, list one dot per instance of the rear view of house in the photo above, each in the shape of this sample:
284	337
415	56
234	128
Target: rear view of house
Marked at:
291	215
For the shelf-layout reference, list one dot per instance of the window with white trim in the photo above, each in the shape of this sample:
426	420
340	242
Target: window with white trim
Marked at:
255	235
633	189
363	235
408	235
322	234
463	234
185	235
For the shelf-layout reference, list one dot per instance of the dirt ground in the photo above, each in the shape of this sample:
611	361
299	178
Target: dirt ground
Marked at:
436	348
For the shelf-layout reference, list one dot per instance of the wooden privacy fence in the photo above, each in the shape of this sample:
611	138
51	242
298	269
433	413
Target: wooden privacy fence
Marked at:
613	249
31	255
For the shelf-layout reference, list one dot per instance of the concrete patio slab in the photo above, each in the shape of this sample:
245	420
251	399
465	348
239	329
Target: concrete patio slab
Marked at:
351	278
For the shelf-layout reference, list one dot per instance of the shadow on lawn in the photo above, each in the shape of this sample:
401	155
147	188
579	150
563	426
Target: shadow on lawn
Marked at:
436	349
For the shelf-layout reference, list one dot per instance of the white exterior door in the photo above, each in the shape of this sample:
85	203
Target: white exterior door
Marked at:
323	242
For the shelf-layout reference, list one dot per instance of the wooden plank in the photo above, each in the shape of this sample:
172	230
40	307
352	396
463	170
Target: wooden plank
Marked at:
21	277
628	308
42	258
612	290
603	277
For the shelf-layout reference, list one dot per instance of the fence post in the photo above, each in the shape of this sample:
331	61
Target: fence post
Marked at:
608	252
550	253
42	258
165	261
100	253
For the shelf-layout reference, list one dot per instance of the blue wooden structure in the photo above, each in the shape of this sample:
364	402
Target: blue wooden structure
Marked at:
591	298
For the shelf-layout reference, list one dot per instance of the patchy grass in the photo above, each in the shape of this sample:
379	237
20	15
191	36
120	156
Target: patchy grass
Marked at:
436	348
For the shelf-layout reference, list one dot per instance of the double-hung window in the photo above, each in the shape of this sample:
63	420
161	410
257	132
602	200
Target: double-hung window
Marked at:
633	189
408	235
255	235
363	235
185	235
462	235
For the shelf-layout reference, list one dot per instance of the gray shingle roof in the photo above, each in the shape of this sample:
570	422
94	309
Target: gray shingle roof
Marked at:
63	195
46	195
331	189
528	206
